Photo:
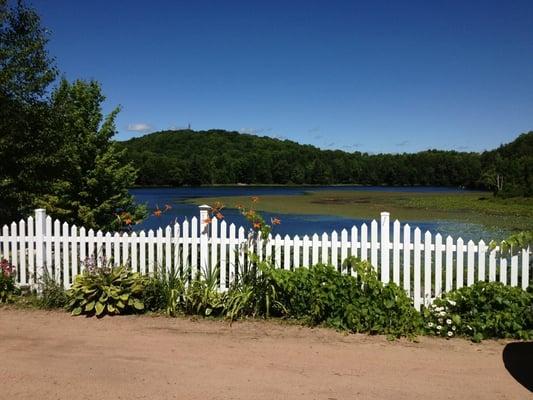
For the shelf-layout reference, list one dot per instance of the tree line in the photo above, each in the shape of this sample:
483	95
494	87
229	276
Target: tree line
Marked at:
186	157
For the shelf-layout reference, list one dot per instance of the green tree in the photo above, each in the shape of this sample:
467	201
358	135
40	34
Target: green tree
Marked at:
93	187
27	158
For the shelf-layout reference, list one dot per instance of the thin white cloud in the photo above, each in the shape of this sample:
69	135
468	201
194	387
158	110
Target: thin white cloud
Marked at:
140	127
255	131
178	127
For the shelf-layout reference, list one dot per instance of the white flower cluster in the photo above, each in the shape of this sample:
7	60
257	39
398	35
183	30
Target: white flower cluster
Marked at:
442	324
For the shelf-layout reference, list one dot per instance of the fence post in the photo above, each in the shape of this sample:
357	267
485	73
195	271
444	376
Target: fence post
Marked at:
204	236
40	232
384	245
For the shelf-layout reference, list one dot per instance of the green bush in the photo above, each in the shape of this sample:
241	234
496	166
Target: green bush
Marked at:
164	291
202	297
51	293
321	295
361	303
106	290
255	292
7	281
481	311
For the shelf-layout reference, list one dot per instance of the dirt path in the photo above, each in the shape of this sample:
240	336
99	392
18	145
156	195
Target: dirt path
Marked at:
50	355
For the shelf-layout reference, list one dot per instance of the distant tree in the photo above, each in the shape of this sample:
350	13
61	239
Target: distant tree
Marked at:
93	187
195	173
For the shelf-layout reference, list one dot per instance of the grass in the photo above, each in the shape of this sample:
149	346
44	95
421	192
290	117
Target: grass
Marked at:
514	214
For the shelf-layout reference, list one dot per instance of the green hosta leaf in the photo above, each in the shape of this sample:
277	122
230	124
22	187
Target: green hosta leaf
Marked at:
90	306
138	305
120	304
110	308
76	311
99	308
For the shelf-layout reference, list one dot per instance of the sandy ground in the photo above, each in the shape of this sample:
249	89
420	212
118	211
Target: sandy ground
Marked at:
50	355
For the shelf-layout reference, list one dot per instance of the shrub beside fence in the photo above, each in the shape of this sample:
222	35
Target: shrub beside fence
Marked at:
424	265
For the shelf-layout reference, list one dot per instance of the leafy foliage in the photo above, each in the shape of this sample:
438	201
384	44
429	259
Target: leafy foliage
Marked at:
107	291
27	160
7	281
508	170
485	310
51	292
202	297
255	292
514	242
163	291
95	179
321	295
55	150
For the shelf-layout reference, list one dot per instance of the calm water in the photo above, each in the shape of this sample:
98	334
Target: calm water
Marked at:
292	224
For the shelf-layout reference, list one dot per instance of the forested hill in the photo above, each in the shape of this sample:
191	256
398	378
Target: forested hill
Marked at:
188	157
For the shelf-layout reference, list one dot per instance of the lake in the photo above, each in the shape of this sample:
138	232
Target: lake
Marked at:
292	224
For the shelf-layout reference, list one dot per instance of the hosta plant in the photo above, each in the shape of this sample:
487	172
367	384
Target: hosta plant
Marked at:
106	291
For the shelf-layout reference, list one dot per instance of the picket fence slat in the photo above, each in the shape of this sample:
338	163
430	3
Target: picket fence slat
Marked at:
425	267
374	243
438	265
74	254
525	268
396	252
296	251
384	247
459	266
416	270
22	268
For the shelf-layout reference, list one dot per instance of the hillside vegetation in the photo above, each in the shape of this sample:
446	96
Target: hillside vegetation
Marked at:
187	157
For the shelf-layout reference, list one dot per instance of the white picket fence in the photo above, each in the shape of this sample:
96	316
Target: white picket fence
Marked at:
424	266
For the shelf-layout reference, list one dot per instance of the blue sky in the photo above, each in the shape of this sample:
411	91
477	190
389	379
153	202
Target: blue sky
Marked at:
372	76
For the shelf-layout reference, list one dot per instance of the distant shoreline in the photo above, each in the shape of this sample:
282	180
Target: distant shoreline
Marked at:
300	186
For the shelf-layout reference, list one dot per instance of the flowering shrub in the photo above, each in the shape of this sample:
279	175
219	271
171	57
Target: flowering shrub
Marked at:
481	311
440	321
7	281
